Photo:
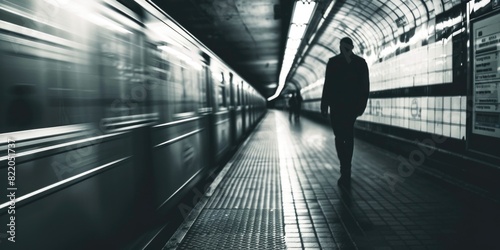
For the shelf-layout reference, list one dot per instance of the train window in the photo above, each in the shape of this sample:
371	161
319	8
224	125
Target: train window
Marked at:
230	90
238	87
159	74
175	88
184	92
202	82
182	83
221	95
66	79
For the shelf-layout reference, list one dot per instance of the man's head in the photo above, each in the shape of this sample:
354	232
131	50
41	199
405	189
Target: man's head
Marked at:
346	46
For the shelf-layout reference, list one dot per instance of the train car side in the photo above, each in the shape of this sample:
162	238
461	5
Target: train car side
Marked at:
115	113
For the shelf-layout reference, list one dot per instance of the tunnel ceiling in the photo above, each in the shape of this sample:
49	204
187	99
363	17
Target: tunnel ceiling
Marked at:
247	34
372	25
250	34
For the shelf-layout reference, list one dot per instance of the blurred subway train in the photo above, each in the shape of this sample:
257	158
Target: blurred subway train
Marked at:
110	111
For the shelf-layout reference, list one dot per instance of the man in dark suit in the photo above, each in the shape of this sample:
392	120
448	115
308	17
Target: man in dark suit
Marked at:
345	91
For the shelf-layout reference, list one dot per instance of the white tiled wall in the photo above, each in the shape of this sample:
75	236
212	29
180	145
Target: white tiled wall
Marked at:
440	115
426	65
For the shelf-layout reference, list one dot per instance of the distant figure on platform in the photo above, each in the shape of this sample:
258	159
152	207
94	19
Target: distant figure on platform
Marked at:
298	105
292	105
345	91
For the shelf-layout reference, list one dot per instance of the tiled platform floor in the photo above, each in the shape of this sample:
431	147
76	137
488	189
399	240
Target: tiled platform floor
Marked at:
280	192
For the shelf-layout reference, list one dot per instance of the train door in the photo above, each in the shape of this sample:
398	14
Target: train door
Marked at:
239	112
221	114
244	109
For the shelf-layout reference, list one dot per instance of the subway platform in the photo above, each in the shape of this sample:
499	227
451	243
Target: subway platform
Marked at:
280	192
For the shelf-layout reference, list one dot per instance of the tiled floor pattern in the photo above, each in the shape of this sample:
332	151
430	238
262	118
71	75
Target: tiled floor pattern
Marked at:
245	210
417	212
281	193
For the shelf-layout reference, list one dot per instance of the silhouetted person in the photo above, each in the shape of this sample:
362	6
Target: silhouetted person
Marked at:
345	91
298	105
292	105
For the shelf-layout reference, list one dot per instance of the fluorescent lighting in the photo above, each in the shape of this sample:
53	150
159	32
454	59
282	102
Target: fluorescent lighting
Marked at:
327	12
290	52
293	44
303	12
296	31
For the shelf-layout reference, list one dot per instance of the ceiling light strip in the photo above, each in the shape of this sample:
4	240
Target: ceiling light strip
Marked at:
302	13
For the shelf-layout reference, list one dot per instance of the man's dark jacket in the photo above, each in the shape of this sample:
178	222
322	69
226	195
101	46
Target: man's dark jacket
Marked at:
347	85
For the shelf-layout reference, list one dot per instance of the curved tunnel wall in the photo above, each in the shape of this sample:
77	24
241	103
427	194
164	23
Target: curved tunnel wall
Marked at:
426	78
427	82
409	49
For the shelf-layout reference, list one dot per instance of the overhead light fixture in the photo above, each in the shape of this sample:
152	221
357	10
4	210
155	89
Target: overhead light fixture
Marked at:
305	11
293	44
328	9
302	13
296	31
